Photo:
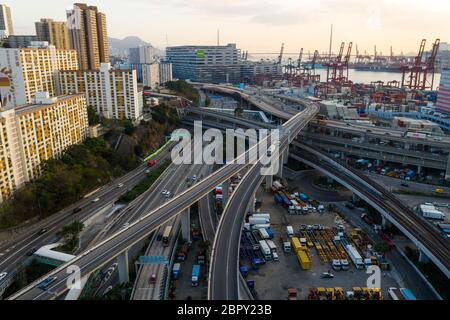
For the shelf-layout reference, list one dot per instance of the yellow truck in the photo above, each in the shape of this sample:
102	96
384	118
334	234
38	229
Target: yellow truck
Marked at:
296	245
303	260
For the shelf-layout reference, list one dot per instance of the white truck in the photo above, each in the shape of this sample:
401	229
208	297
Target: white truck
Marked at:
287	247
255	220
354	256
433	214
271	245
290	231
264	247
261	226
263	233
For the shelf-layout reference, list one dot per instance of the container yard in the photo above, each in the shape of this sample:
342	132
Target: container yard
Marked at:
318	255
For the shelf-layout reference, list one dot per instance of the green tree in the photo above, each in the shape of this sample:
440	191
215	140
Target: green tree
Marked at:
129	127
93	117
70	235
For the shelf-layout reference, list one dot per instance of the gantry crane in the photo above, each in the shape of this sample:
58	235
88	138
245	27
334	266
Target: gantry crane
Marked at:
419	71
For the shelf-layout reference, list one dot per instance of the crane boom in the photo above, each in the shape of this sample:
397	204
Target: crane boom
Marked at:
280	57
300	56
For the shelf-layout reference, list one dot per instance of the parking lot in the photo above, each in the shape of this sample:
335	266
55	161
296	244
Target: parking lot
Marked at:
273	279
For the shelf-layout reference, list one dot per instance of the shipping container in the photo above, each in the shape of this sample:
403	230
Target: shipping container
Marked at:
304	260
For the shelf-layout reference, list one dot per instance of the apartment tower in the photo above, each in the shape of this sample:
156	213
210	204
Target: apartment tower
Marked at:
54	32
6	26
88	35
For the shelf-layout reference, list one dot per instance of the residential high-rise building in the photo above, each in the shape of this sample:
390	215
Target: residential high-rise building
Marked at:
142	54
139	57
205	63
33	133
88	35
20	41
165	72
6	25
25	71
54	32
150	75
443	96
114	93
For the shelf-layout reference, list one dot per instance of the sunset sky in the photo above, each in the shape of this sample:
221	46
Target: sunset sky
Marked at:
261	25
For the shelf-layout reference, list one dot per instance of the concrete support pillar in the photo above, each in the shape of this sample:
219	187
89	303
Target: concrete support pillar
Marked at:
123	267
186	225
407	146
225	192
269	182
343	155
286	155
281	165
423	258
419	169
377	162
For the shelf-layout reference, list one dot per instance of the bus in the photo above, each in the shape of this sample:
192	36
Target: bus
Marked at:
167	235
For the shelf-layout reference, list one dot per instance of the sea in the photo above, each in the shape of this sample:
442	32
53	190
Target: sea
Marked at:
358	76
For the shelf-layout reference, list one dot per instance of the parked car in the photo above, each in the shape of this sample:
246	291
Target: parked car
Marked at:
327	275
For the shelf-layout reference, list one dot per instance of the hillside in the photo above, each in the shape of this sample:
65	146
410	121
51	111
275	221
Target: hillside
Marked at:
121	46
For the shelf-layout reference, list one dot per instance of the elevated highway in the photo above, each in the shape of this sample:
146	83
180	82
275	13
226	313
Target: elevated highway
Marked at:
94	258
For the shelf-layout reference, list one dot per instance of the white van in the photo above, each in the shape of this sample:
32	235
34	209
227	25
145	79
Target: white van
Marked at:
275	256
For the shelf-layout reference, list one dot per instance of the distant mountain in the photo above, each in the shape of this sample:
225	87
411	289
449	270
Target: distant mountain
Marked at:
121	46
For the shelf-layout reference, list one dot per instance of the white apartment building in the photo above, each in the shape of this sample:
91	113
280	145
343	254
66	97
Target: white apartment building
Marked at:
25	71
33	133
114	93
151	75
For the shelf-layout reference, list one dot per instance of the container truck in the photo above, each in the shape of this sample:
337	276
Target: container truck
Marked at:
260	226
261	215
263	233
433	214
265	250
176	270
354	256
271	245
296	245
195	275
290	231
252	220
304	260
